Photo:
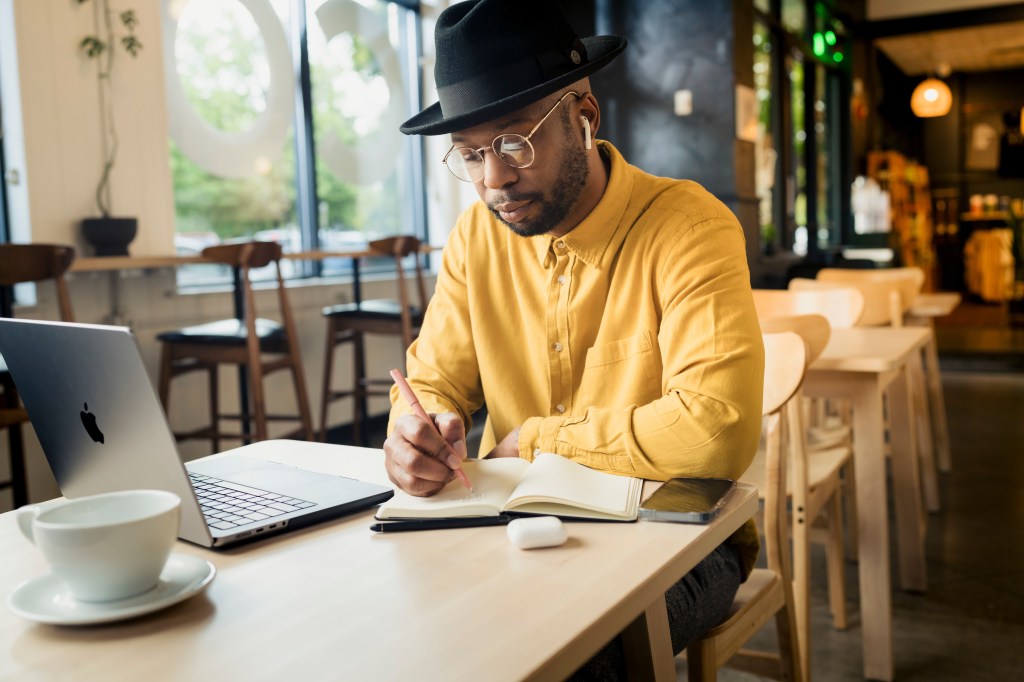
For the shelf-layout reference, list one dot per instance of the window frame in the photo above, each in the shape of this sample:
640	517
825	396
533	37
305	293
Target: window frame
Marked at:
305	177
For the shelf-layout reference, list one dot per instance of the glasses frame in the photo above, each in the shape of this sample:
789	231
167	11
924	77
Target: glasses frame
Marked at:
494	144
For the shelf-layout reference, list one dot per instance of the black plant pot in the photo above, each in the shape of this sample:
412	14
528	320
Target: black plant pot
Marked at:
110	236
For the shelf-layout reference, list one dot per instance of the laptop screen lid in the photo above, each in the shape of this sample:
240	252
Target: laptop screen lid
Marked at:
94	411
103	428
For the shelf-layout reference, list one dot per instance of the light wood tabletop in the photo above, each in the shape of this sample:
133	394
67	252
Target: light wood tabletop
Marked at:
861	364
934	304
337	601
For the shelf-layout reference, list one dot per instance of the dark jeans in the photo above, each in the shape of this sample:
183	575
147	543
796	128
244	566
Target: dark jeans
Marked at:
697	603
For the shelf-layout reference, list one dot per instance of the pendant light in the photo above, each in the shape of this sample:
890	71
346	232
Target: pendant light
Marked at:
931	98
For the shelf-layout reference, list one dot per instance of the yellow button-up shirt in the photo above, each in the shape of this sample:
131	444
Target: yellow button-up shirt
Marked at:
630	345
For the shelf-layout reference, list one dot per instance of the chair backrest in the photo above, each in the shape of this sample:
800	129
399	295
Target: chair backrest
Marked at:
400	248
913	276
813	329
843	307
785	362
248	254
243	257
906	283
36	263
883	302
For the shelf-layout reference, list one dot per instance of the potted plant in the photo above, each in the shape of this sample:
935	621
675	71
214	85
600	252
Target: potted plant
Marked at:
108	235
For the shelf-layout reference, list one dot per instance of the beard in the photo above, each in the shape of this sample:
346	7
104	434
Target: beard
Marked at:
555	205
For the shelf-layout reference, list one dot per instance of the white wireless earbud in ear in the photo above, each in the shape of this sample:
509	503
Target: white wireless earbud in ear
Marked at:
586	132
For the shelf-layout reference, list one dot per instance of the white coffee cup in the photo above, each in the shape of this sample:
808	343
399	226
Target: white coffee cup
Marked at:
105	547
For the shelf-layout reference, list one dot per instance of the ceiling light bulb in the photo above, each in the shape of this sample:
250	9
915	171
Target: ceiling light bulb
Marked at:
931	98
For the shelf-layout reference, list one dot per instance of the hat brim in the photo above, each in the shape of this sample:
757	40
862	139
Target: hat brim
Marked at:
431	121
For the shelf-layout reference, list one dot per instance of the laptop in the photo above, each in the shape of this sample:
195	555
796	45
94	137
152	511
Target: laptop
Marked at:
102	428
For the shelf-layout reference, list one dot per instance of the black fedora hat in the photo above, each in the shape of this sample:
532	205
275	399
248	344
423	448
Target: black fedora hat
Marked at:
496	56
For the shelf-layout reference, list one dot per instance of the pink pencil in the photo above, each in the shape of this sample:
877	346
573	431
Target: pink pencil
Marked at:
410	397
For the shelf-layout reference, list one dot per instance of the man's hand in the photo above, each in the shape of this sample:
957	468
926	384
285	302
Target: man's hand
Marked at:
418	460
508	447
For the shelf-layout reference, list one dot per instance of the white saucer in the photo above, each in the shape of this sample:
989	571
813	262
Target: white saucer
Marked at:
47	600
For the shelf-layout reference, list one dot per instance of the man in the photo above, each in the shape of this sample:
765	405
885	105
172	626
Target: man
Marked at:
601	313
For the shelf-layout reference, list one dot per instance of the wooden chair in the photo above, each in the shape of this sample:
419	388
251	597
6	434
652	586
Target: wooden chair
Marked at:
257	346
886	300
815	488
843	307
351	322
767	593
21	263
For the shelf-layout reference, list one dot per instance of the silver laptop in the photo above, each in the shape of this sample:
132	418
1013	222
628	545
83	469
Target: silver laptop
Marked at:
102	428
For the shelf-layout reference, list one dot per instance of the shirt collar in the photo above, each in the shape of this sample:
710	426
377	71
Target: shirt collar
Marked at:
598	235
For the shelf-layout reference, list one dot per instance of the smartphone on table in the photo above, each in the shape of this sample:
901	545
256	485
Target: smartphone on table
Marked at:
687	500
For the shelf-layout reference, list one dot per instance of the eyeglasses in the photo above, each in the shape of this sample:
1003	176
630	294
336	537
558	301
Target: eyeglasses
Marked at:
467	164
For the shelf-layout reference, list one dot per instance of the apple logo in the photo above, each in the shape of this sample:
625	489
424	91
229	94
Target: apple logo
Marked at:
89	421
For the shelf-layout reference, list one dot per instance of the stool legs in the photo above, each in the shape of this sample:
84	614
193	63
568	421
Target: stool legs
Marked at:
214	384
325	394
359	408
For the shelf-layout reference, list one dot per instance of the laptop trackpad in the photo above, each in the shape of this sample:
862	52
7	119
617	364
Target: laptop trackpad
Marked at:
283	479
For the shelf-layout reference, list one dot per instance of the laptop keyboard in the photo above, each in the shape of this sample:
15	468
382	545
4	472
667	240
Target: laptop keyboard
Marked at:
227	505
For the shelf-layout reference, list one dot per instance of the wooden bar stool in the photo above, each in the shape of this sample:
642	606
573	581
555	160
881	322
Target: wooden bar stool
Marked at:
257	346
26	263
351	322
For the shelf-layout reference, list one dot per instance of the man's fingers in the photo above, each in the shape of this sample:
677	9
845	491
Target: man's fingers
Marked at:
453	430
412	470
418	459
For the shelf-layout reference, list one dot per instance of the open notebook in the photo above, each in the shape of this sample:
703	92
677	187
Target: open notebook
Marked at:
550	485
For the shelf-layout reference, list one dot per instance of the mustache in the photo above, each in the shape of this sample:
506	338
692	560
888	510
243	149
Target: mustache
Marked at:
508	197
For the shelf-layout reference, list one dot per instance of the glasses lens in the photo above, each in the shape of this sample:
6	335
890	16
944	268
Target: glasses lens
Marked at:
466	164
515	150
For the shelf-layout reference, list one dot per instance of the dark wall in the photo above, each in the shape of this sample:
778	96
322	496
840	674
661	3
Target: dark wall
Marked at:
984	94
897	128
676	45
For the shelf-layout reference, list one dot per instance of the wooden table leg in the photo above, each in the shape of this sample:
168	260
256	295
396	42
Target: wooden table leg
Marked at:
923	419
872	526
938	405
647	643
906	480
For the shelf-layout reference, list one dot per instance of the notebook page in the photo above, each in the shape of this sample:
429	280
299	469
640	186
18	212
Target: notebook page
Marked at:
493	481
553	479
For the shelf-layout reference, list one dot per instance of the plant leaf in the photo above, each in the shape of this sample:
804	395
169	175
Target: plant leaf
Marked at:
129	19
92	46
131	45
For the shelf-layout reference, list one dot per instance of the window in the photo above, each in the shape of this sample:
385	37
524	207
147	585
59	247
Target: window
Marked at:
765	153
801	74
313	161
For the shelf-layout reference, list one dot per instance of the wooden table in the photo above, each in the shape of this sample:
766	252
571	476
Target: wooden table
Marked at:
114	264
338	602
860	364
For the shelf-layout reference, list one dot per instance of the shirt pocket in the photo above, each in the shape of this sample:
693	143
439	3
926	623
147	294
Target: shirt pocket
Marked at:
620	373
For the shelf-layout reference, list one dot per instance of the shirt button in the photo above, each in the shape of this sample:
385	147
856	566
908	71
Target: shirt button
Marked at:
562	279
536	452
560	407
557	347
560	245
